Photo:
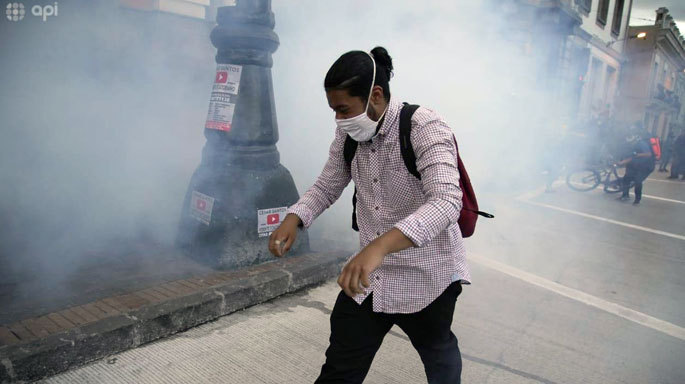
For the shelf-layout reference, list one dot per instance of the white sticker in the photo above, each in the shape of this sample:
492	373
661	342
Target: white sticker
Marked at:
227	78
224	95
220	115
269	219
201	207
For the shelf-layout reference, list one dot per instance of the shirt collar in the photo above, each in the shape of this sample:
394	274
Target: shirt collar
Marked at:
391	116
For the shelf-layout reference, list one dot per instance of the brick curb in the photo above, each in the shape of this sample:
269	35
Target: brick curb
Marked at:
39	347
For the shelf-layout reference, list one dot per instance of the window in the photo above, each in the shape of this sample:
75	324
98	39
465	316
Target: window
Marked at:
618	17
602	12
610	80
593	96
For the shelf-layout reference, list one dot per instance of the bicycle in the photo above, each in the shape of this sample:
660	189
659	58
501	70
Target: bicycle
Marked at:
587	179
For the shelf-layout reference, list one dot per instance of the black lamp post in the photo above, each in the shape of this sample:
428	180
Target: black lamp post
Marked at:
237	194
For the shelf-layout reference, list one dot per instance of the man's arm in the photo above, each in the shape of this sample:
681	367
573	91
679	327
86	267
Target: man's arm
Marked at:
358	269
436	161
645	152
330	184
328	187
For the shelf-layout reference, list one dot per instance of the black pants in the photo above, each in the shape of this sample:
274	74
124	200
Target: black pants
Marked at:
638	176
357	332
665	158
678	166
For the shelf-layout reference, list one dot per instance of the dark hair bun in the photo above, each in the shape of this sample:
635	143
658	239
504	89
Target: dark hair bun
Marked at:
383	60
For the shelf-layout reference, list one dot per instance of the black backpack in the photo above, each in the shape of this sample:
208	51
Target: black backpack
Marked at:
469	212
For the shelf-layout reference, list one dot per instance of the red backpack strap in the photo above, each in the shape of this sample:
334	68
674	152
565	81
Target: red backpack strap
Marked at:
468	195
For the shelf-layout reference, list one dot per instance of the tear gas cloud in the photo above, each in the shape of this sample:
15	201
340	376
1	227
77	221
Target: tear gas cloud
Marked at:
103	112
454	57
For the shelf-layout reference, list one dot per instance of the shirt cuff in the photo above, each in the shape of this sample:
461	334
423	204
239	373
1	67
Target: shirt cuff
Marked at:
303	212
414	229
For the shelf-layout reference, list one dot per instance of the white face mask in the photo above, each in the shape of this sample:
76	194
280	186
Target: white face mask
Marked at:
361	127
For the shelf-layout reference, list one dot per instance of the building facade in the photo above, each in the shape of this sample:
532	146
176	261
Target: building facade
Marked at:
651	86
604	30
678	124
197	9
580	50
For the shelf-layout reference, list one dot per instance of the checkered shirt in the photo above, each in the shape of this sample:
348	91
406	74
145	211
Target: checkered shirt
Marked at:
426	210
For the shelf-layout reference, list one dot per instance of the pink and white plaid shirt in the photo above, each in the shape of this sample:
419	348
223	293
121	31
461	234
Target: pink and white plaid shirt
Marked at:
426	210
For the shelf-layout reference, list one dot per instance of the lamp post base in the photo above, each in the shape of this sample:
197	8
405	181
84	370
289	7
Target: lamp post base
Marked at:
219	221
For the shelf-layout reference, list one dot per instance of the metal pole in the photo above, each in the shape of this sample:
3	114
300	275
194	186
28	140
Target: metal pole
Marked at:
239	191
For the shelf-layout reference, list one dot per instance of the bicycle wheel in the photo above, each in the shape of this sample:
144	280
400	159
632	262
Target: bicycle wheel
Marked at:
583	180
614	184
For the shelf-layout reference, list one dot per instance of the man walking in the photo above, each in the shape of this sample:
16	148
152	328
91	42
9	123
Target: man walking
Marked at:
639	165
412	260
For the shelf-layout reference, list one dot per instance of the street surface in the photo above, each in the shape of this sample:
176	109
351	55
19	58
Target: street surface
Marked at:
568	287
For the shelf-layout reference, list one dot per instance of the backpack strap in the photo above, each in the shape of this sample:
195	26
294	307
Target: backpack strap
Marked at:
409	158
349	150
354	211
406	148
465	184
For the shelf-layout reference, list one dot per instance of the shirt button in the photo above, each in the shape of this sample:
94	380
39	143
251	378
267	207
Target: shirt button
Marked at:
378	233
377	277
375	180
377	208
373	150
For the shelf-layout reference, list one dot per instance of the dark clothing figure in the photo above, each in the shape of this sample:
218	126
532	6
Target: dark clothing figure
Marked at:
638	169
678	167
357	333
638	176
639	162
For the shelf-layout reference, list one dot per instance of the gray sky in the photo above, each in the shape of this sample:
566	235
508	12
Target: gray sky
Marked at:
645	9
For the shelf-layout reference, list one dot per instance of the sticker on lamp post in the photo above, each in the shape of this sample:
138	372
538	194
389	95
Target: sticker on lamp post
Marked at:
201	207
224	96
269	219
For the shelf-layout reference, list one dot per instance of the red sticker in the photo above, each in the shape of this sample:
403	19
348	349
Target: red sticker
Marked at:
221	77
201	205
273	219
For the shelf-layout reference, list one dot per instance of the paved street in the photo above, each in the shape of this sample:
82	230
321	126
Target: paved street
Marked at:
569	287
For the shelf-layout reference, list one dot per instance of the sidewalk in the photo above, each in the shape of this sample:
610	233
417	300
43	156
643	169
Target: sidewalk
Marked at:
104	271
509	331
278	342
119	316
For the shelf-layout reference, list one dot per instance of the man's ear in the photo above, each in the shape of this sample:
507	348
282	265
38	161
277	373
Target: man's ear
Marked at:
377	94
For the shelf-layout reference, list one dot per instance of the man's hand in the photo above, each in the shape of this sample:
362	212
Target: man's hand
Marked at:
371	257
284	236
359	268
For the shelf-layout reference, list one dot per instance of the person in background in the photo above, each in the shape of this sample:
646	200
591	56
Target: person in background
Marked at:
678	166
639	165
668	151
